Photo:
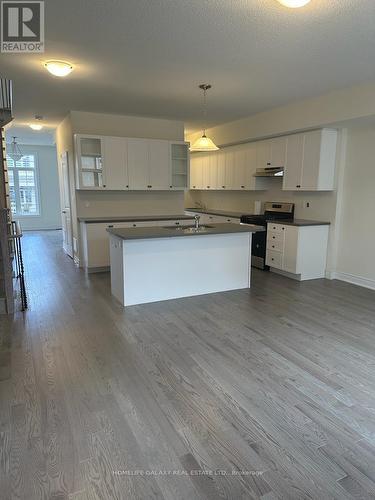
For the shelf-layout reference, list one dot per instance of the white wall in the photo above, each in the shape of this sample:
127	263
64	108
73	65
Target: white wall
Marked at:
50	212
356	242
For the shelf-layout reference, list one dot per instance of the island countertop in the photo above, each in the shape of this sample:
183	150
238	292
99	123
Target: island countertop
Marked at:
144	233
134	218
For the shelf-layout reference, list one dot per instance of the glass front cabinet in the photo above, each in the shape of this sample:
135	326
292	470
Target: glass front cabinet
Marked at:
89	158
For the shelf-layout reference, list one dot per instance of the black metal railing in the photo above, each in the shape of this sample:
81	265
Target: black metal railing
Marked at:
19	269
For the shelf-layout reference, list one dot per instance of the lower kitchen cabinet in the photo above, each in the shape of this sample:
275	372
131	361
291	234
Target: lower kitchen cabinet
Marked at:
95	240
300	252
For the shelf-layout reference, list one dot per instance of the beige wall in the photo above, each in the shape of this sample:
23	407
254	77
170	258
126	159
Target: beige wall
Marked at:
356	243
126	126
335	108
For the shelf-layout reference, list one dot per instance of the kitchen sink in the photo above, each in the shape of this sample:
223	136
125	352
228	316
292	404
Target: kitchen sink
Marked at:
188	229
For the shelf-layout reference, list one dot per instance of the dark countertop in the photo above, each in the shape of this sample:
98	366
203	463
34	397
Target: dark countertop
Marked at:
223	213
134	218
144	233
300	222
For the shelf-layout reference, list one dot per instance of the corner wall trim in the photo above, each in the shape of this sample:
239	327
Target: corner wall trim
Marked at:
354	280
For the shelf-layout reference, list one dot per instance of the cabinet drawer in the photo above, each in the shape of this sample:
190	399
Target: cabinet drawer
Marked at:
274	259
275	236
276	245
277	228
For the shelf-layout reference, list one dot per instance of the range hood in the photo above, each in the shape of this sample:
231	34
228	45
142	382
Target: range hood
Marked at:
269	172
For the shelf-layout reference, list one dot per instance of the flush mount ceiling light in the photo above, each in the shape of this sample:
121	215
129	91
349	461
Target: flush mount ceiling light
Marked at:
294	4
36	126
58	68
204	143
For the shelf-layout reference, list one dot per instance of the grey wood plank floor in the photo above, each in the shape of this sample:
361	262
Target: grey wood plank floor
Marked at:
267	393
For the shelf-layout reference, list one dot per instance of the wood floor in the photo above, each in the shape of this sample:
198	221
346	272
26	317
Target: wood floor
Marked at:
268	393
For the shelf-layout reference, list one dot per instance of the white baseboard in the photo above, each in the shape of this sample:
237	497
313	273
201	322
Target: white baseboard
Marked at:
351	278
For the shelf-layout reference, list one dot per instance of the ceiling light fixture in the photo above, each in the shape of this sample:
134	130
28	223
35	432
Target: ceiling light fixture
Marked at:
294	4
58	68
14	150
36	126
204	143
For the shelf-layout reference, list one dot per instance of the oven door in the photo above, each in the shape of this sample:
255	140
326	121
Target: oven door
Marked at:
258	249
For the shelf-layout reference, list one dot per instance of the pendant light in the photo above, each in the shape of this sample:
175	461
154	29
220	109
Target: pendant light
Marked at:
204	143
15	152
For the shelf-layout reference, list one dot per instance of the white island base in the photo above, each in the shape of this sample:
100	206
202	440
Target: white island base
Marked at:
150	270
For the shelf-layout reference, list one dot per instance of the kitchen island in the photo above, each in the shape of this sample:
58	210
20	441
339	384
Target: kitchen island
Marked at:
150	264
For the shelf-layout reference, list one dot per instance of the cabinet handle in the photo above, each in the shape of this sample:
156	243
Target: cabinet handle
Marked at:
272	258
298	185
193	187
104	185
283	228
273	246
127	185
223	187
269	163
208	187
134	225
273	237
170	186
111	225
177	223
243	187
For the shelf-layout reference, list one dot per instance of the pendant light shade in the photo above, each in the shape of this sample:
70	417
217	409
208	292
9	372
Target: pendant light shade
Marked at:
14	151
204	143
294	4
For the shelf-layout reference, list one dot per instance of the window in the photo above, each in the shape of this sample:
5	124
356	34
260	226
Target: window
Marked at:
23	186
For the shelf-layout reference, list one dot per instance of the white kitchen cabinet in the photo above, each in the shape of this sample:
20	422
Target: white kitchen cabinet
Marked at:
300	252
89	162
95	239
271	152
210	173
115	163
310	161
138	164
196	171
179	154
159	165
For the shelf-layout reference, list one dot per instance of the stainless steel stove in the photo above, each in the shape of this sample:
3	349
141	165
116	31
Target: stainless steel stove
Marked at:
272	211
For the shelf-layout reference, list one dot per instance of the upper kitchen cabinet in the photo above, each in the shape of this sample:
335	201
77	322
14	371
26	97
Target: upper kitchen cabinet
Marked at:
159	165
115	163
179	155
271	152
310	161
149	164
196	171
89	162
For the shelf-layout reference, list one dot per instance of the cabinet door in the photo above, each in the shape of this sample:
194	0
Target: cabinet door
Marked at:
196	173
205	168
138	164
278	151
290	258
229	169
240	168
115	163
89	162
294	161
311	160
221	178
263	153
252	183
159	163
210	171
179	152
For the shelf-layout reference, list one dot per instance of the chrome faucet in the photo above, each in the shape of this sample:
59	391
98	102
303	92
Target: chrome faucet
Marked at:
196	225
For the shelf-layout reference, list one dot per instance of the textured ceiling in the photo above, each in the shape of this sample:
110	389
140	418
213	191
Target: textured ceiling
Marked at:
146	57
